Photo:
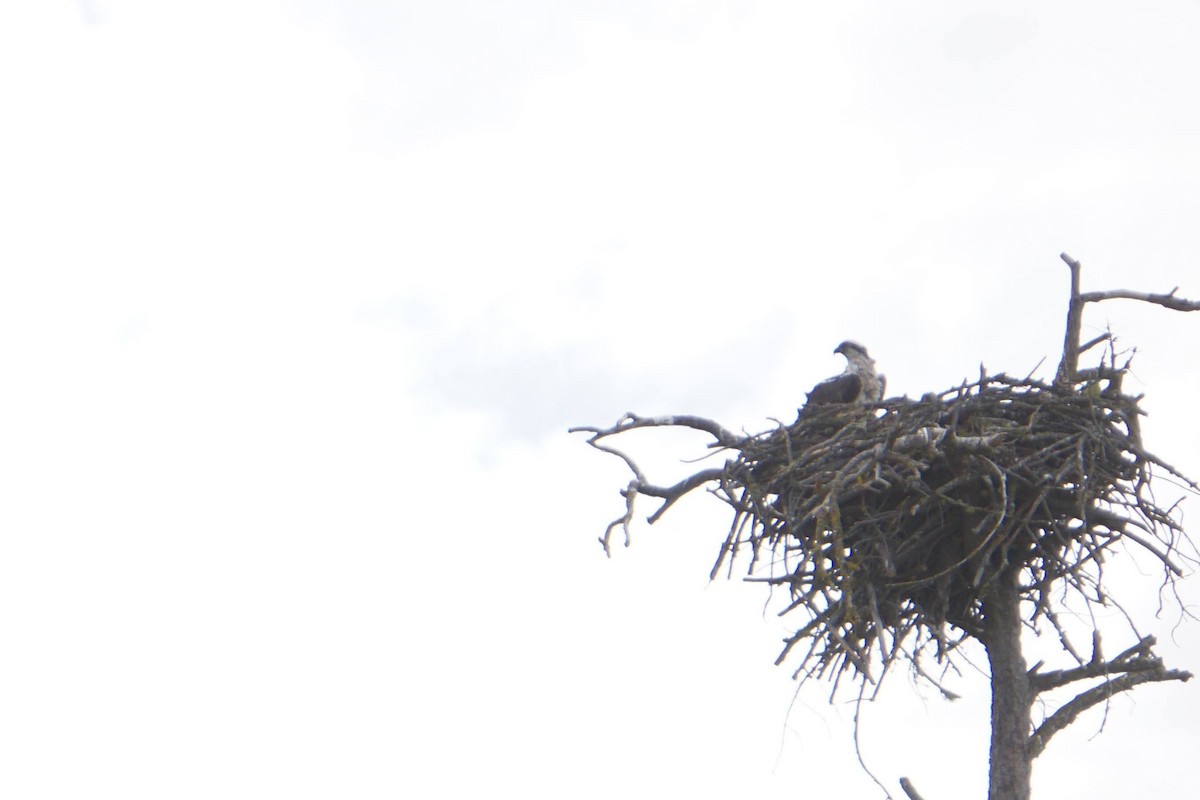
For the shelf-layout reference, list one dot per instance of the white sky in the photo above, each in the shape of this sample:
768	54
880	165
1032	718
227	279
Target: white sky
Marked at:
299	298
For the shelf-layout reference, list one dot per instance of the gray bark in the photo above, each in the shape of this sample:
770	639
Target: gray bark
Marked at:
1012	698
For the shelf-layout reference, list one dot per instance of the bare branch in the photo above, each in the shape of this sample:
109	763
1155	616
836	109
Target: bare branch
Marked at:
1104	337
909	789
1116	522
631	421
1168	300
672	493
1094	696
1138	658
639	485
1070	357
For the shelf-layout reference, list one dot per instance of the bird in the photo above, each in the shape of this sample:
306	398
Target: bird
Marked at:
860	384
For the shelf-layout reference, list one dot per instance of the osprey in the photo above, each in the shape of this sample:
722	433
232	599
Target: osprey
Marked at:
859	384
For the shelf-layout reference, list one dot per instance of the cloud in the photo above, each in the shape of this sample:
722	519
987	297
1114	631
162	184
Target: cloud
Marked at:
529	385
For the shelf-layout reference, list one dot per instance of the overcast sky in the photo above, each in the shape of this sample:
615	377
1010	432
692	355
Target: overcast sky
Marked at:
299	298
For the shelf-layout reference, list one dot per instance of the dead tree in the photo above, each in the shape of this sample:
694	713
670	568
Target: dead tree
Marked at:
904	529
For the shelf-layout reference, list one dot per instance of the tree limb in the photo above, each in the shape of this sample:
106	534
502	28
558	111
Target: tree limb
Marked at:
1070	357
1094	696
1168	300
1137	658
670	494
909	789
639	485
629	421
1069	365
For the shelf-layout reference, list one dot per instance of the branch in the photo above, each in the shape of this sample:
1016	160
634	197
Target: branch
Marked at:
1070	357
1135	659
1153	459
1115	522
629	421
639	485
1085	700
909	789
672	493
1168	300
1104	337
1069	365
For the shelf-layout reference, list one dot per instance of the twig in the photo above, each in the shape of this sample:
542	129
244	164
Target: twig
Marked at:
1104	337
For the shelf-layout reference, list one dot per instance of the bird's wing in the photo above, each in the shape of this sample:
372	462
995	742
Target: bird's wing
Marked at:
844	388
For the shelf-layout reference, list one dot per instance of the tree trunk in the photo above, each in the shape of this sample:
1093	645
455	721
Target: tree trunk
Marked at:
1011	696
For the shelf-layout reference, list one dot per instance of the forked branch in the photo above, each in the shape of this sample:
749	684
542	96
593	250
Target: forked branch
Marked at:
1139	658
1069	712
639	485
1069	366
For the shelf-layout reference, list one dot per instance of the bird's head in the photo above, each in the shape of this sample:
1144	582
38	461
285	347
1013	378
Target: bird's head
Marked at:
848	347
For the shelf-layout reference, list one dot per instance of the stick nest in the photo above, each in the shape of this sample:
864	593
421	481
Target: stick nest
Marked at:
893	521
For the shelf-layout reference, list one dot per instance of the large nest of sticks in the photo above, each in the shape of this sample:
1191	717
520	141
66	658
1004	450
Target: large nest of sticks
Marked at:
894	526
888	524
894	520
